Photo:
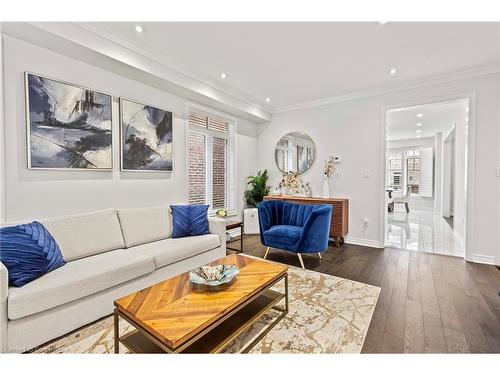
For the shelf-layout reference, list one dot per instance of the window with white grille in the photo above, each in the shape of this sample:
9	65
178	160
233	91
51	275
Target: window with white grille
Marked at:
211	160
413	167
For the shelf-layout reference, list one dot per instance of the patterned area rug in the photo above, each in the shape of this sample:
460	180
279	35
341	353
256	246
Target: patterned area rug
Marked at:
327	314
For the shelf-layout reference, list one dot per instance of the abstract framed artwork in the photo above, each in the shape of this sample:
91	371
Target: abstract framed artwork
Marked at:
69	127
146	137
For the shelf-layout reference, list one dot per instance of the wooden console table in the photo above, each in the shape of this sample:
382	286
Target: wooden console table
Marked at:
340	216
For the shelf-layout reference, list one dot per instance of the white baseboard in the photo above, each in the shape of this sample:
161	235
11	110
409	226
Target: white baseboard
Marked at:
485	259
364	242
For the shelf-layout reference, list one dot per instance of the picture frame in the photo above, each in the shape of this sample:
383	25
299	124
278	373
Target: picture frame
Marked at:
68	126
146	137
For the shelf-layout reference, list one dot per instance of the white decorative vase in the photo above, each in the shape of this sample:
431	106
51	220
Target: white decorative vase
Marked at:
326	187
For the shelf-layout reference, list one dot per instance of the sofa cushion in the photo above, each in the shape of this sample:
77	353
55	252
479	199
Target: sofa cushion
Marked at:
189	220
172	250
142	225
286	234
83	235
28	251
77	279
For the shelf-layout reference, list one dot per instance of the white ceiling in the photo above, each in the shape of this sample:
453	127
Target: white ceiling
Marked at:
296	62
437	117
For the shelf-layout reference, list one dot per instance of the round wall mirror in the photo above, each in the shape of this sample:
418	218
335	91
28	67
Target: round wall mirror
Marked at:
295	152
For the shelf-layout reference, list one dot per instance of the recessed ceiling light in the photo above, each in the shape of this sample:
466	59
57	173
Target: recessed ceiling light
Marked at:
419	131
419	124
392	71
268	100
382	22
223	75
139	29
467	109
467	119
419	136
420	115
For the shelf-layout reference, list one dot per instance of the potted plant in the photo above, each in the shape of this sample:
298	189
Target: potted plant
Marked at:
257	188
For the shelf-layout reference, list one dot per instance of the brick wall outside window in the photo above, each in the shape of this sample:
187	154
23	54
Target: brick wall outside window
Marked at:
197	168
210	175
219	173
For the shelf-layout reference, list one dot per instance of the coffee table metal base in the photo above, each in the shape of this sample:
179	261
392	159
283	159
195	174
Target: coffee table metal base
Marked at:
215	337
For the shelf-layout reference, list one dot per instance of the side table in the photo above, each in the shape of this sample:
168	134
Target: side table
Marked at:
232	224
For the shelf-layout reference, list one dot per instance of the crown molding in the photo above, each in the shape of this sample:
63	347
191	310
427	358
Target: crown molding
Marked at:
68	38
455	76
209	92
172	64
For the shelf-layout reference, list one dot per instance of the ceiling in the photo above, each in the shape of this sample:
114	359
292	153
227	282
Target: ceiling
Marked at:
436	117
292	63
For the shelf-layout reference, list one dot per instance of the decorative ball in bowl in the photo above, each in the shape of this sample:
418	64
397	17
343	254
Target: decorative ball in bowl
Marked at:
213	275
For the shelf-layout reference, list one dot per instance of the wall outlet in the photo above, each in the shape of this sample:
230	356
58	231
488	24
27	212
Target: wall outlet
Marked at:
366	173
365	222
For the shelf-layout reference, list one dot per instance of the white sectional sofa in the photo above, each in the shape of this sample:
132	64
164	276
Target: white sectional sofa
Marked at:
108	254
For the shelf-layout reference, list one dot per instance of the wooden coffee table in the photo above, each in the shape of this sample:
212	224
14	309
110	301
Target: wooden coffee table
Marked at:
177	316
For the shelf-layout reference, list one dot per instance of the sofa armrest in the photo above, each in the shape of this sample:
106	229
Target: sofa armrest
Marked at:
218	226
316	232
4	292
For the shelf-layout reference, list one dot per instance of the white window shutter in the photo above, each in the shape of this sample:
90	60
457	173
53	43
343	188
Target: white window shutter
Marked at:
217	135
426	172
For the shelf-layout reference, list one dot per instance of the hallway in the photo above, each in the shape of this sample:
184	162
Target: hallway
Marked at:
422	231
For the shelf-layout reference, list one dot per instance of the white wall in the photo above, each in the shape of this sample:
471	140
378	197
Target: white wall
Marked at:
2	135
352	129
460	168
414	142
37	193
446	206
438	173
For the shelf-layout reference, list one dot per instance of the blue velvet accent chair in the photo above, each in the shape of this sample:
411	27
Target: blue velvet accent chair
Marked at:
299	228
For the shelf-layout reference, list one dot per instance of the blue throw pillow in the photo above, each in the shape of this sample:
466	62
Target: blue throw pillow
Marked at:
189	220
28	251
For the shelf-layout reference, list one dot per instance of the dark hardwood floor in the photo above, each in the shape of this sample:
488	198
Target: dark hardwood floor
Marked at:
428	303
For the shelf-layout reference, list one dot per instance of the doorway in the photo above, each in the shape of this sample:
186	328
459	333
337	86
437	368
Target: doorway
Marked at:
425	180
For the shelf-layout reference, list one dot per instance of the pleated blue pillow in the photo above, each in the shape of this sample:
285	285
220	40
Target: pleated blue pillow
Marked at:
189	220
28	251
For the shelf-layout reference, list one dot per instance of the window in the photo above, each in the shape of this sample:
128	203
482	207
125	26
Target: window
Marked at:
211	161
394	168
413	170
411	167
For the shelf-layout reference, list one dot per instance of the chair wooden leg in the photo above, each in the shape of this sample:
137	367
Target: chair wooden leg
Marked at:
407	208
301	261
267	251
319	254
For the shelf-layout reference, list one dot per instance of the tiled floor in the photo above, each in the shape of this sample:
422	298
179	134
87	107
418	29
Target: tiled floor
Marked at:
422	231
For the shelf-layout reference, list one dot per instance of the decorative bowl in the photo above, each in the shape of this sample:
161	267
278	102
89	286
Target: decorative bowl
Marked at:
213	275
